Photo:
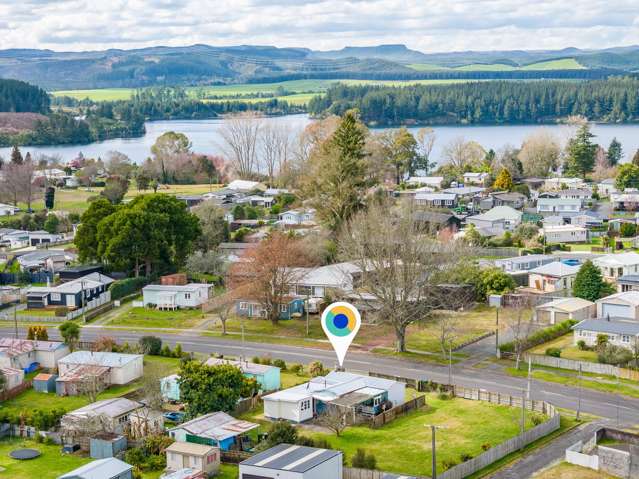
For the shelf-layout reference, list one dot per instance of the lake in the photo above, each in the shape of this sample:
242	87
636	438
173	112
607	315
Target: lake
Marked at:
205	136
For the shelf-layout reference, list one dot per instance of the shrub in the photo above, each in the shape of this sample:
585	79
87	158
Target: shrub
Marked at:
266	360
628	229
281	432
280	363
48	440
542	336
255	360
166	351
554	352
448	464
363	461
611	354
316	368
464	456
135	456
61	311
536	419
177	352
296	368
151	345
485	446
39	438
125	287
582	346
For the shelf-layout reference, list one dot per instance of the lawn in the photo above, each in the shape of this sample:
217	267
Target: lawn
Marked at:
570	471
153	318
228	471
38	312
403	446
568	350
51	464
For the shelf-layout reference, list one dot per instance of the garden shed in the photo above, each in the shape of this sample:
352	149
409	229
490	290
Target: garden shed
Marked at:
107	445
45	383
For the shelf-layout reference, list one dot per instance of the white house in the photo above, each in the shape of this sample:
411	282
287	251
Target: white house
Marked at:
297	217
432	181
613	266
565	234
559	183
626	201
123	368
581	194
49	259
500	216
472	178
8	210
553	220
553	277
303	402
318	282
587	221
164	296
107	468
245	186
436	200
563	309
13	377
286	461
623	333
114	412
558	206
13	238
201	457
619	305
524	263
44	237
606	187
20	353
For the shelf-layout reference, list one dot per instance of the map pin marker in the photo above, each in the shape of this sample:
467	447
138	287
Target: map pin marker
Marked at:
341	322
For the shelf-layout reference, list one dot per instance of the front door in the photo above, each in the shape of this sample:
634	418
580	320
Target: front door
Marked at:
70	301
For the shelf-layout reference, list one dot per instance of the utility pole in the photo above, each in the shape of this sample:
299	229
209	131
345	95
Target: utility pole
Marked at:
523	418
84	312
306	304
497	332
579	394
450	365
529	378
618	398
15	320
433	428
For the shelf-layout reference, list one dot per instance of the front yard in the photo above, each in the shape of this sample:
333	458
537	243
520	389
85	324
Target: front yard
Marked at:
153	318
568	350
565	470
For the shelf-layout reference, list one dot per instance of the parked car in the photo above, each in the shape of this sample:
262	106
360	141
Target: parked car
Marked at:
174	416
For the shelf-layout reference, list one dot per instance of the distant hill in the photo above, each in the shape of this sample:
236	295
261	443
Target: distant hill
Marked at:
208	65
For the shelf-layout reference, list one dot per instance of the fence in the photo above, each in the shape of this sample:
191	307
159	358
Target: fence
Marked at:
416	384
355	473
392	414
234	457
91	305
501	252
586	366
13	392
247	404
39	277
91	309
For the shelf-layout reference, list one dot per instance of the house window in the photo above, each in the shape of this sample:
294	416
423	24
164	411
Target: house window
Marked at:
243	306
625	338
187	295
304	290
55	297
283	308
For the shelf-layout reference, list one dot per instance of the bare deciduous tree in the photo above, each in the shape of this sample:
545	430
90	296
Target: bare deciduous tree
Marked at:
333	418
275	147
402	264
91	385
240	136
519	324
539	154
462	154
426	141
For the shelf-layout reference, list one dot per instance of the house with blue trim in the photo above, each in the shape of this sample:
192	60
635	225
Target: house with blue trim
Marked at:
73	294
267	376
288	309
216	429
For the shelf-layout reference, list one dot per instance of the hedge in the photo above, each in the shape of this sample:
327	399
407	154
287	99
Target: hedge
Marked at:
125	287
541	336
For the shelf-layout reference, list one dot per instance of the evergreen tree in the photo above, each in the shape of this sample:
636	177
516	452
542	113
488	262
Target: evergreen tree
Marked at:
581	153
635	158
16	156
627	177
504	181
589	284
615	152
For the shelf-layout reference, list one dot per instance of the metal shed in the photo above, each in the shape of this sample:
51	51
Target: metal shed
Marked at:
45	383
107	445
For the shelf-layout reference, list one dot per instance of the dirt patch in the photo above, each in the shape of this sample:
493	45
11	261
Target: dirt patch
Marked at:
17	122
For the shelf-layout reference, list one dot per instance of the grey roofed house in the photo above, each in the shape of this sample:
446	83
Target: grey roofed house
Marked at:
556	269
112	408
286	457
609	326
464	190
524	263
98	358
215	425
109	468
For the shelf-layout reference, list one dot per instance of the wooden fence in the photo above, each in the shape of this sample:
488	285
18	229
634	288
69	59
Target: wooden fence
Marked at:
11	393
586	366
355	473
397	411
416	384
245	405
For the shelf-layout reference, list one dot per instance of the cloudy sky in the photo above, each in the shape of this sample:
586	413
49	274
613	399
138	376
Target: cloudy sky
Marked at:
426	25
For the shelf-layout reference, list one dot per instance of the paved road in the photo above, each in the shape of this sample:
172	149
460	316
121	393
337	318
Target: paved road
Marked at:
592	402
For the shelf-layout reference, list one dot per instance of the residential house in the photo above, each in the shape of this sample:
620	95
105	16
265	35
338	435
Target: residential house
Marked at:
553	277
289	308
216	429
46	259
12	238
258	200
8	210
245	186
553	221
582	194
356	393
71	273
233	252
122	368
518	264
297	217
500	216
564	309
564	234
201	457
13	377
191	200
587	221
563	183
436	200
432	181
77	293
172	297
509	198
324	280
615	265
435	221
20	353
620	332
619	305
628	282
44	237
74	380
276	191
267	376
286	461
109	468
464	191
410	193
606	187
114	413
558	206
626	201
472	178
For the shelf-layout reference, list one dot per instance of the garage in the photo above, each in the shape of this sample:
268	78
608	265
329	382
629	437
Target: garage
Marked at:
616	311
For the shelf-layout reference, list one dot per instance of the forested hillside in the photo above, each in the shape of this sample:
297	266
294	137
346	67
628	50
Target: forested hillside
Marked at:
20	97
613	100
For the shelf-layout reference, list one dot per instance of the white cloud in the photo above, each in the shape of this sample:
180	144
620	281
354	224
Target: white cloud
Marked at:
426	25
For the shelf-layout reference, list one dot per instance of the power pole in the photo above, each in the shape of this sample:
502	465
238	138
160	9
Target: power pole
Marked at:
497	332
618	398
529	378
450	365
433	428
523	417
579	395
84	312
15	319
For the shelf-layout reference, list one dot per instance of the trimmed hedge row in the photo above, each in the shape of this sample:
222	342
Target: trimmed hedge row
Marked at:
542	336
125	287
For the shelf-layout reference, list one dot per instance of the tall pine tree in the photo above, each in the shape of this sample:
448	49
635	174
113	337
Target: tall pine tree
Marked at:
16	156
615	152
581	153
